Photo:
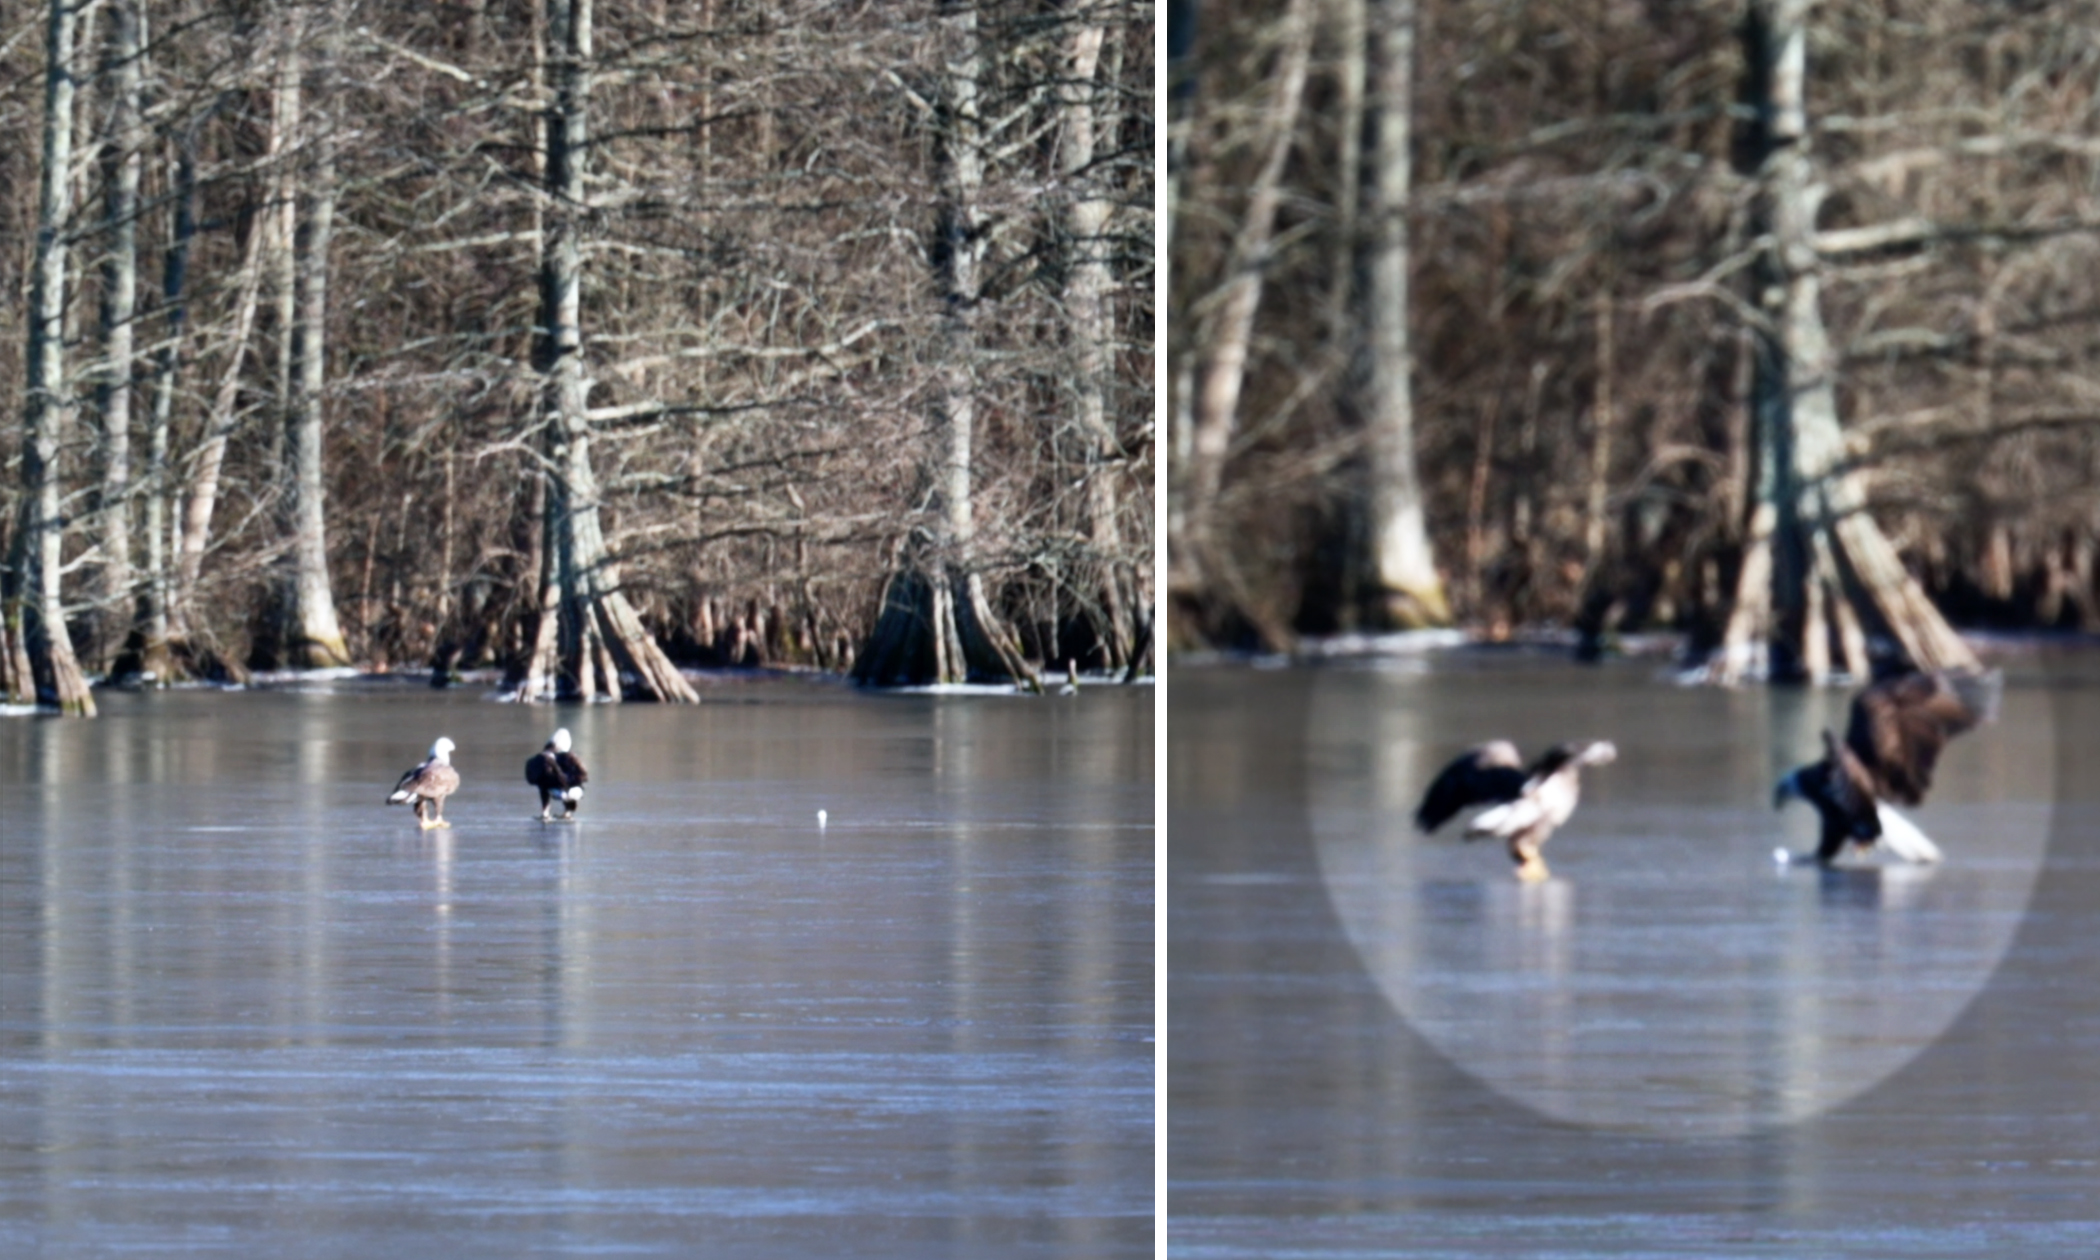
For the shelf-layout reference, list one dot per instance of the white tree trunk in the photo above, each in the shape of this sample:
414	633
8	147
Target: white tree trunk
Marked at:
1409	589
1352	38
1223	373
203	496
31	610
314	637
280	254
156	658
1086	309
598	635
114	392
935	614
1829	567
962	241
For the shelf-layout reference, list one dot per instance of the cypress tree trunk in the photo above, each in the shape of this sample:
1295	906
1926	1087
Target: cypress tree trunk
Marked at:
263	251
155	632
1352	38
1180	348
936	624
112	617
1407	590
596	635
1198	577
313	636
1817	571
1224	368
280	254
39	659
1106	593
203	492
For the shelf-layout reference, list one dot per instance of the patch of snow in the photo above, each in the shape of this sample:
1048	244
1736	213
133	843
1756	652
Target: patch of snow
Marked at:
335	673
1393	643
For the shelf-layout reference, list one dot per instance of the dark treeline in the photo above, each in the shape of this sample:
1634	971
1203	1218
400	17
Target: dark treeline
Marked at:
579	343
1748	319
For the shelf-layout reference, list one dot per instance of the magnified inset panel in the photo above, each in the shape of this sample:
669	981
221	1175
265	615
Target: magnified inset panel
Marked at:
1669	977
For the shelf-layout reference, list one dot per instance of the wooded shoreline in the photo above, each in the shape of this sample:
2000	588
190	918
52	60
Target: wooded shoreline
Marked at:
577	344
1763	323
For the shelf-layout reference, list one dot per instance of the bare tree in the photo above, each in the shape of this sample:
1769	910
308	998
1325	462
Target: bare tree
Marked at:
123	164
313	638
1591	244
936	624
39	656
600	646
1087	281
205	464
1407	589
155	615
1816	563
1198	563
775	314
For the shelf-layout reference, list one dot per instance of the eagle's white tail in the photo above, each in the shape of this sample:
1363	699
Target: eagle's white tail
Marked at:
1901	837
573	794
402	797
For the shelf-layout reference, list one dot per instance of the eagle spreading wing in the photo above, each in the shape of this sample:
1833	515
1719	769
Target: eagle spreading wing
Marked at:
1892	744
1526	805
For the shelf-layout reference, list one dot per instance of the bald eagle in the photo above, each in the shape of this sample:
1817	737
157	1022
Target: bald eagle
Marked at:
1892	742
1527	804
432	781
556	772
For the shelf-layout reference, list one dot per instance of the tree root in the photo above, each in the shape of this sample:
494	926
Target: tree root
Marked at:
937	627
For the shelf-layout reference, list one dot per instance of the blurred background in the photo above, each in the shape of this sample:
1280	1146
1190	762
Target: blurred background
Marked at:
1746	321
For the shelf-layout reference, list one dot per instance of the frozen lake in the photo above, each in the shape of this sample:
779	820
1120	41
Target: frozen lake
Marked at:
248	1010
1381	1044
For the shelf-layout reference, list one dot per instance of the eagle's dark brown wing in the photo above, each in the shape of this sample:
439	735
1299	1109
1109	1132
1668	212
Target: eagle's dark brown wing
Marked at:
572	769
555	771
1899	726
1843	794
1489	774
544	772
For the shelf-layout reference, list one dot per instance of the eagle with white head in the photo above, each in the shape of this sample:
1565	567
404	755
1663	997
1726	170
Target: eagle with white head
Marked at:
1892	744
429	783
1528	804
559	775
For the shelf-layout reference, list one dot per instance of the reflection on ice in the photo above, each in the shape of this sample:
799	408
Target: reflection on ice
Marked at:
241	998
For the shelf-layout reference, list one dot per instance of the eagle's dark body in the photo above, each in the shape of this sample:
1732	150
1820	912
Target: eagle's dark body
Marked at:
1892	745
559	775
